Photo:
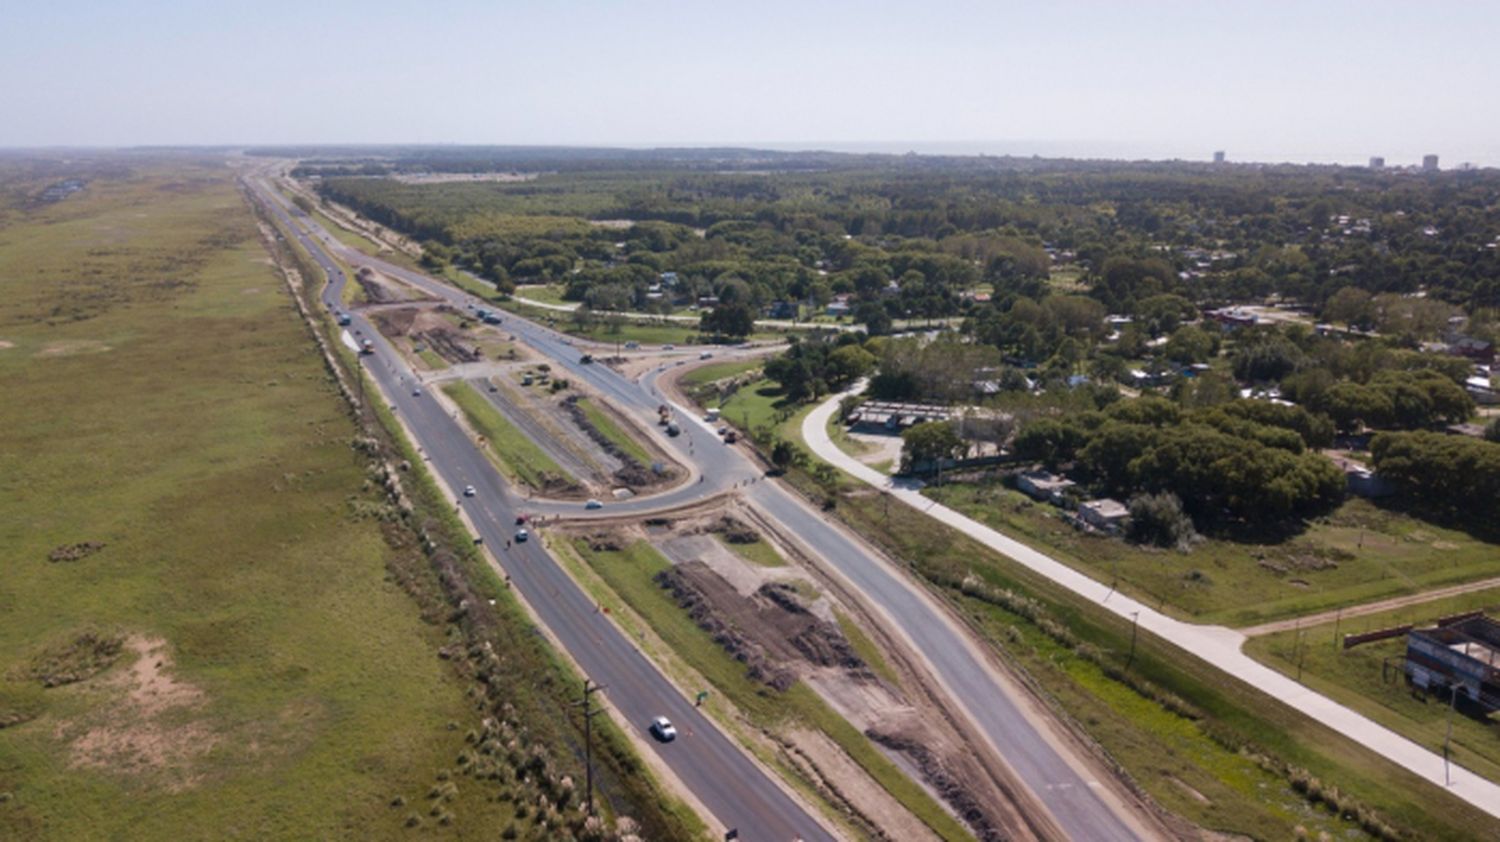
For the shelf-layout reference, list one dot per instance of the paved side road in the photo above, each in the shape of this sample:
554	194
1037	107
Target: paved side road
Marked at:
728	783
1217	645
1065	787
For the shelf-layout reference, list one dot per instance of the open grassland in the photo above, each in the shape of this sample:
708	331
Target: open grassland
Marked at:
1359	553
628	573
163	400
1368	677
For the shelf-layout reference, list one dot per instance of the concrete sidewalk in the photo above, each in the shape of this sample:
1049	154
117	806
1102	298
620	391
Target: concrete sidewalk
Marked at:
1218	645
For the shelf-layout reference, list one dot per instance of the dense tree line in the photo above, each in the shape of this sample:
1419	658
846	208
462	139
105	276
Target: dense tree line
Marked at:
1237	462
933	228
1455	475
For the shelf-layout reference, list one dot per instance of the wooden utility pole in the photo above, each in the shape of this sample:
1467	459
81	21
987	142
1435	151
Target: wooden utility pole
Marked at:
589	689
1135	622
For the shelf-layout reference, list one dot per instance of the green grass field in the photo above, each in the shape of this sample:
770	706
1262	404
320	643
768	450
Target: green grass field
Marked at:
614	432
517	455
628	573
714	372
1359	553
1359	678
162	397
760	552
1204	769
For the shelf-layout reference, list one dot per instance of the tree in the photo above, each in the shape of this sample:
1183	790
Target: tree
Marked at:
1190	344
1350	305
1265	356
1456	475
734	320
926	443
847	364
1158	519
873	316
785	455
1352	405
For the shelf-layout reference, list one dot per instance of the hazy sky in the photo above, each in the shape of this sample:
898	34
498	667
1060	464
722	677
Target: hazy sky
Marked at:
1298	81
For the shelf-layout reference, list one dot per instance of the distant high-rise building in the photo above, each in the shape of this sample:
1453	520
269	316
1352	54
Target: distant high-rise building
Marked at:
1219	157
1429	163
1377	163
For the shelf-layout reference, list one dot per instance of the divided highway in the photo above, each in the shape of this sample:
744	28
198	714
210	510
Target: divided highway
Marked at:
1080	804
738	792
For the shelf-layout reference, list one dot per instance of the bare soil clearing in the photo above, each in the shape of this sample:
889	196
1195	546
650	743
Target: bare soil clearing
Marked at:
785	629
149	727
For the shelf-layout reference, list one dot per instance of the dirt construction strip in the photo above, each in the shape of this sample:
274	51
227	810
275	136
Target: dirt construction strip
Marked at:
1370	608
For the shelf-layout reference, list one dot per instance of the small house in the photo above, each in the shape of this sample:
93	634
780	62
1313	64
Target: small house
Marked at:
1043	485
1104	514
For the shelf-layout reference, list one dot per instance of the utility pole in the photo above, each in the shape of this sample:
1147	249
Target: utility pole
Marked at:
1447	739
589	689
1135	622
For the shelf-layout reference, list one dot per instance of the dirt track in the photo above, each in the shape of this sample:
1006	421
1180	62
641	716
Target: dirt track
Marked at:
1369	608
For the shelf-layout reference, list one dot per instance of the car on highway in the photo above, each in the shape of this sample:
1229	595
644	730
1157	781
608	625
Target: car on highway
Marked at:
661	728
521	536
669	347
706	355
593	504
520	520
586	359
469	491
416	393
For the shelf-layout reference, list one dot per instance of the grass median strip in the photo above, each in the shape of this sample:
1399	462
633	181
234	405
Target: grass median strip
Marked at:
519	457
612	431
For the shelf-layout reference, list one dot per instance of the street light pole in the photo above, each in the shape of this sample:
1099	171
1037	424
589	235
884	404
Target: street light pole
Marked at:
589	689
1135	622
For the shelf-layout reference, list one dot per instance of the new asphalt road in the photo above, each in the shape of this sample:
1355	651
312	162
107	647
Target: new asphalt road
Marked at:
720	775
1076	801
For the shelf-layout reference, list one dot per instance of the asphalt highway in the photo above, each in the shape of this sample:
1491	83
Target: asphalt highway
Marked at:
1072	796
739	793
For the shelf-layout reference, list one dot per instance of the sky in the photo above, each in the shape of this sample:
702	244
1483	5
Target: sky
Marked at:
1316	80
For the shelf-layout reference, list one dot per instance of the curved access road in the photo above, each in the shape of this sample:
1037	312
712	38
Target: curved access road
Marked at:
1062	783
720	775
1217	645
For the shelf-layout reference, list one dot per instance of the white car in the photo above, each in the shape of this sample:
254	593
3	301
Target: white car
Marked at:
669	347
416	393
469	491
521	536
662	729
706	355
593	504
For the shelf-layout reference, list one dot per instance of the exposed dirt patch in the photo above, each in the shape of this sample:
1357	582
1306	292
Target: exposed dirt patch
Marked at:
70	347
449	344
6	344
851	785
74	552
950	785
772	632
149	727
1191	792
87	654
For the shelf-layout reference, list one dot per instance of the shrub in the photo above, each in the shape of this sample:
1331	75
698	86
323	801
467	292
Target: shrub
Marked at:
1158	519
